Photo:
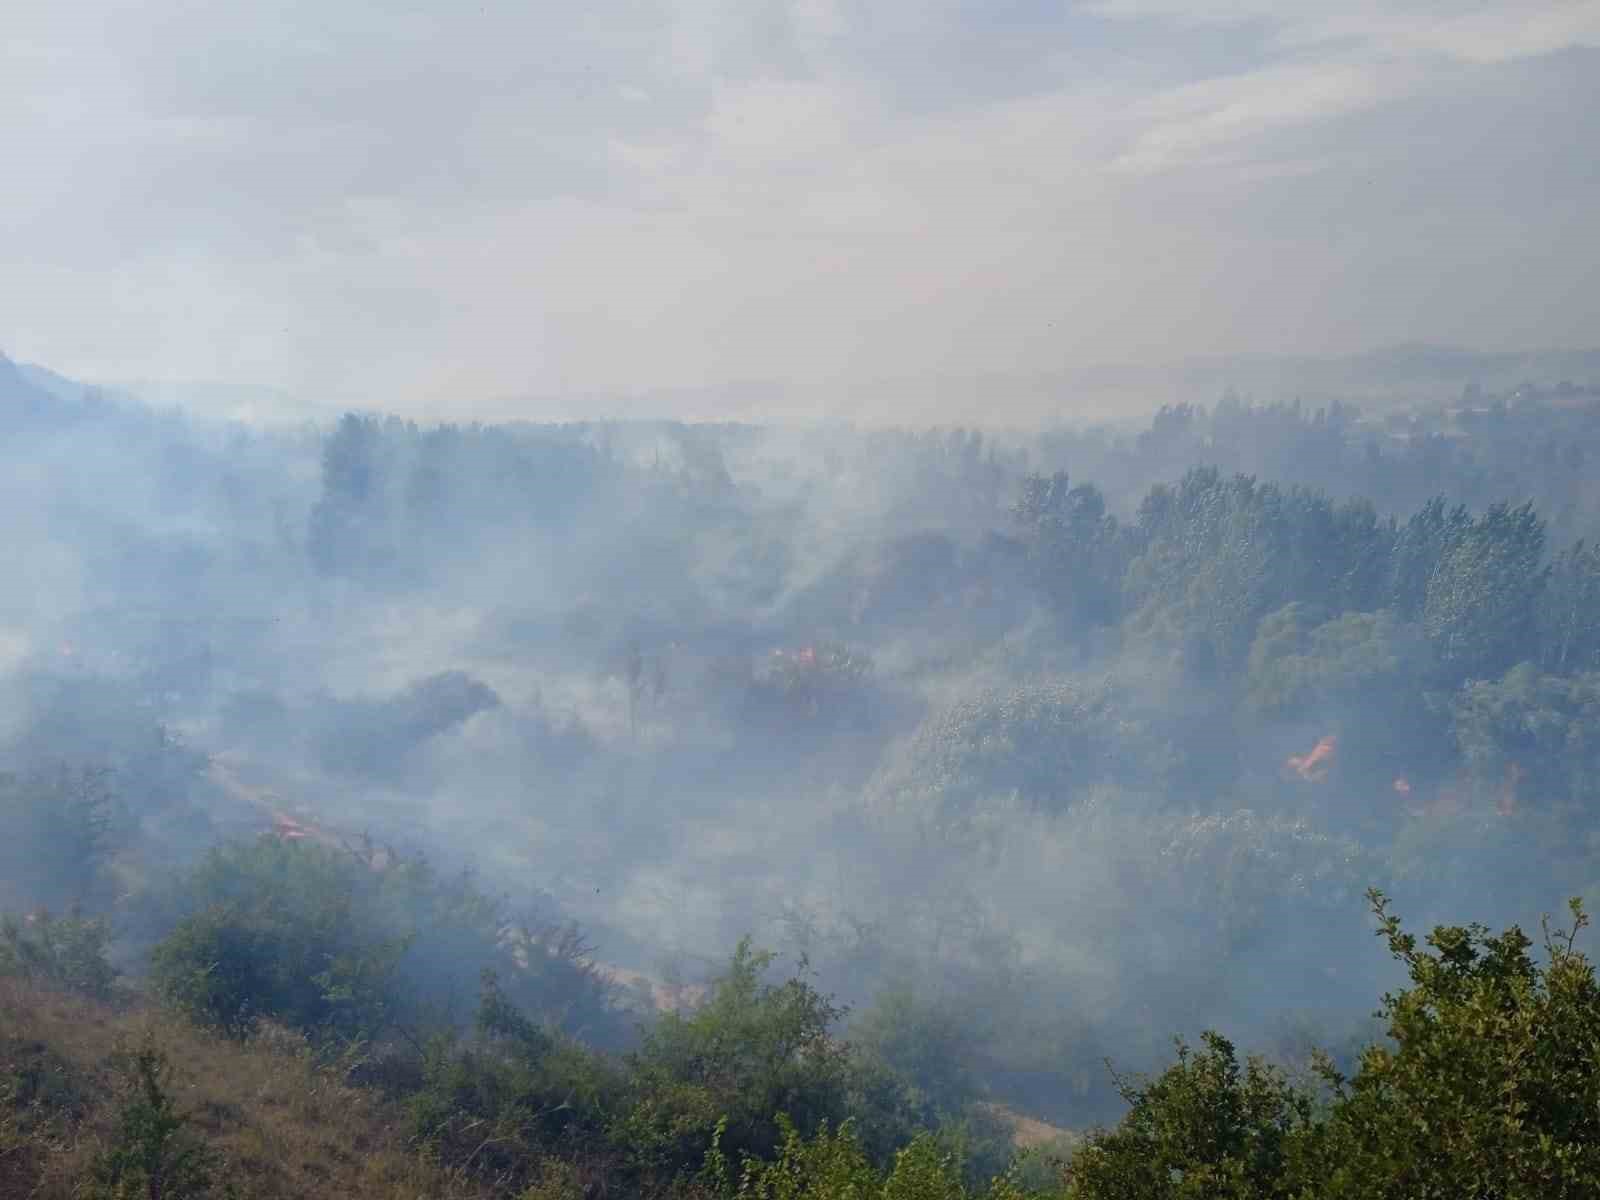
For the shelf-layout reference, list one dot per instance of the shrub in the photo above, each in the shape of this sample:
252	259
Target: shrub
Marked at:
1203	1128
1490	1085
279	932
498	1107
58	827
154	1154
753	1050
349	944
66	952
832	1164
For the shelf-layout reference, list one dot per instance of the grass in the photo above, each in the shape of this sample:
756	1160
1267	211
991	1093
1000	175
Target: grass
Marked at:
280	1125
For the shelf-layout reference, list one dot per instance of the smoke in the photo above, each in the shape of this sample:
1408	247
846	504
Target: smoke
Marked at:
684	684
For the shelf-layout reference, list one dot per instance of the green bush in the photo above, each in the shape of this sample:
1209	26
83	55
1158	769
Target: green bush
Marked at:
1487	1086
1490	1083
349	945
498	1107
1204	1128
282	930
66	952
155	1155
753	1050
832	1164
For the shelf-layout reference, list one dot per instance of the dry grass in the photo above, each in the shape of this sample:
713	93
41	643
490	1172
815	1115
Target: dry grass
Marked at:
1028	1133
283	1126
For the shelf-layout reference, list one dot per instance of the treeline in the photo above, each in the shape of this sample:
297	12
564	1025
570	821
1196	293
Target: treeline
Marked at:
1207	560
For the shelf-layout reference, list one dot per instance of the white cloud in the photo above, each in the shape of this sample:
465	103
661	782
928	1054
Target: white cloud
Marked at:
427	206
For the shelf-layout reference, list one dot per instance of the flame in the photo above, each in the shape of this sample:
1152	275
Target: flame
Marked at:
1402	785
1313	767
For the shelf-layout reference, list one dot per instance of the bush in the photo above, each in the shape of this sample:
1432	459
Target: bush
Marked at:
499	1107
1488	1086
753	1050
58	835
832	1164
345	944
281	930
1204	1128
66	952
155	1154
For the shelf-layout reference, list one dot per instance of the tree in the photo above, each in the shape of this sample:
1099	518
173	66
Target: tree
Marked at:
753	1050
1419	546
1480	607
1203	1129
1076	550
1532	737
1569	611
1490	1083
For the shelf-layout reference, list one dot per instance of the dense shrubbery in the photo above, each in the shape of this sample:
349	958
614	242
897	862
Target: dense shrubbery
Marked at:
65	952
1488	1085
346	944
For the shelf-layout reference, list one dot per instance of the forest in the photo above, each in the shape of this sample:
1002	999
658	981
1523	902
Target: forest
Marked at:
653	808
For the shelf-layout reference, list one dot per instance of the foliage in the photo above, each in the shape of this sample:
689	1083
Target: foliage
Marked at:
1077	552
285	930
1480	609
58	825
66	952
346	944
1569	611
1532	738
1299	662
927	1044
496	1108
155	1155
832	1164
752	1050
1217	554
1487	1085
1046	745
1490	1085
1203	1128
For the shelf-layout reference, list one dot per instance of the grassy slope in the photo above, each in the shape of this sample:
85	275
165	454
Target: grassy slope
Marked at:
283	1127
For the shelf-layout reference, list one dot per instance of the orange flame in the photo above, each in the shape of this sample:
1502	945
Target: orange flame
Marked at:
1402	785
1313	767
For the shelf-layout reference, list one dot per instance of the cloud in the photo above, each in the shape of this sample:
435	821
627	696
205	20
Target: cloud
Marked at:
428	206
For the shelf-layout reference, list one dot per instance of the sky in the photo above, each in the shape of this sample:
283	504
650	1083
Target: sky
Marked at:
466	209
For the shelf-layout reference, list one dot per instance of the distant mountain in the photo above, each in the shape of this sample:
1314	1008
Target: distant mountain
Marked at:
1379	380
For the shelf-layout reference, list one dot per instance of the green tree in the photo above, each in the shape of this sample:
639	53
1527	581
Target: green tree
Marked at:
1489	1086
753	1050
1480	610
1569	611
1076	550
1419	547
155	1155
1204	1128
1532	738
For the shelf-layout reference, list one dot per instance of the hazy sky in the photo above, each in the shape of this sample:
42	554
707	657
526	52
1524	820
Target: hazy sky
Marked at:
425	205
